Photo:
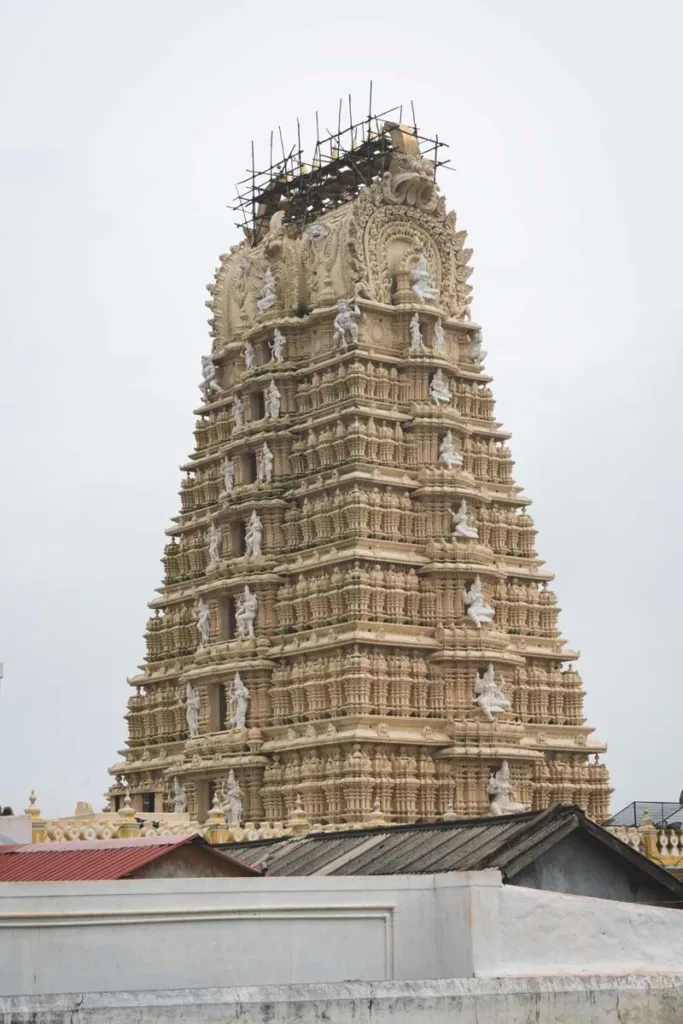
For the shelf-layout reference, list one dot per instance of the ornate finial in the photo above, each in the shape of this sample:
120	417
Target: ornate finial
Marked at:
216	817
297	821
126	812
377	818
32	811
646	821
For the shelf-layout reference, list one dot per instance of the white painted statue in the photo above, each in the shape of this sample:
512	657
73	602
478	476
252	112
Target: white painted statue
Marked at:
253	536
203	622
277	346
249	356
345	326
179	797
462	527
228	475
477	609
501	794
264	465
273	399
489	696
209	385
447	452
245	616
422	281
238	411
439	339
269	293
215	541
232	802
192	711
415	334
239	703
477	354
439	389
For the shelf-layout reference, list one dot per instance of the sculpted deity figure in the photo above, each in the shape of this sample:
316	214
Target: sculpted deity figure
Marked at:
500	793
238	411
203	622
239	702
179	797
249	356
215	541
232	803
461	523
277	346
269	293
345	326
422	281
447	452
209	385
439	389
439	339
477	355
273	398
415	334
245	616
477	609
488	695
264	465
192	711
253	536
228	475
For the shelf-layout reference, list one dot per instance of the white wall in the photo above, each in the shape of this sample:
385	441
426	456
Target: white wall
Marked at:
204	933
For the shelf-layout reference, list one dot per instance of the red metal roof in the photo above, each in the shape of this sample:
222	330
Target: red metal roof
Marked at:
96	860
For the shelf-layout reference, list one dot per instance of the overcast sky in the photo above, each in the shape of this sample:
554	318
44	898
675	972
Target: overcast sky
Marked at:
123	128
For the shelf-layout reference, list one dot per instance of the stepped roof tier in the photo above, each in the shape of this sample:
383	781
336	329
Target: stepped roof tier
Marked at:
354	624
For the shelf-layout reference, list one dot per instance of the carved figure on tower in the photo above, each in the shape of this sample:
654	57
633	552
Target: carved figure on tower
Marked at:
179	797
215	540
345	326
462	525
439	389
477	609
439	339
245	616
249	356
209	385
228	475
239	703
232	802
253	536
273	399
501	795
192	705
448	453
269	293
477	354
203	622
238	411
415	334
489	696
264	465
277	346
422	281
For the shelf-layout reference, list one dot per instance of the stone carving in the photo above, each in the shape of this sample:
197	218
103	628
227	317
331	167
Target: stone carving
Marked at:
239	703
439	389
422	282
232	801
179	797
249	356
264	465
245	616
215	542
489	696
203	622
447	452
209	385
477	609
277	346
439	339
415	334
273	399
410	181
501	794
345	326
477	355
253	536
462	527
269	293
192	705
238	411
228	475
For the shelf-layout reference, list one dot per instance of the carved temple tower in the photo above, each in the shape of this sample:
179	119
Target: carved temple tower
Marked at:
354	619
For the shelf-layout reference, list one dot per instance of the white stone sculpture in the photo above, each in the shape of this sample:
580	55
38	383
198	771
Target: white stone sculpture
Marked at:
264	465
439	339
245	616
232	803
273	399
179	797
447	452
477	354
477	609
238	411
501	794
462	527
439	389
269	293
253	536
192	711
415	334
422	281
239	703
345	326
489	696
249	356
277	346
209	385
203	622
215	540
228	475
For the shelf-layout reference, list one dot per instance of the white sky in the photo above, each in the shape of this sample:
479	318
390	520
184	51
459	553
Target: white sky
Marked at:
123	127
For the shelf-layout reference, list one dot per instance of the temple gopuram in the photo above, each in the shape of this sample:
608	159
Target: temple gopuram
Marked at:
354	625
